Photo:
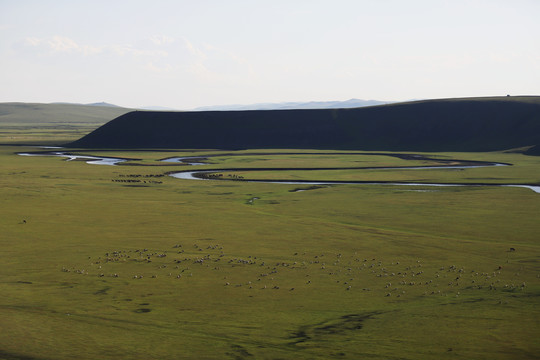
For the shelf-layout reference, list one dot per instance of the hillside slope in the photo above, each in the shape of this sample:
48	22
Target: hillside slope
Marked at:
475	124
36	114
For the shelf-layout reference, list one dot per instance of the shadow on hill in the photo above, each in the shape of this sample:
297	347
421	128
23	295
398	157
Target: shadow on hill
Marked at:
535	150
476	124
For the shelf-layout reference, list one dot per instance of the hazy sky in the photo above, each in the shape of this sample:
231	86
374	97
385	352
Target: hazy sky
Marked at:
184	54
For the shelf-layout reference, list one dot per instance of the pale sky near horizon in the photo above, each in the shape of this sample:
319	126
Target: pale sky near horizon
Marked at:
185	54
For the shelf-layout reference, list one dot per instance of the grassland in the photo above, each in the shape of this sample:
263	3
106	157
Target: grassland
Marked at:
170	269
523	169
35	123
38	114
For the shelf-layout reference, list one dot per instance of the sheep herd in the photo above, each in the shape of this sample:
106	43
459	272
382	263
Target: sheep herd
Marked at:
212	265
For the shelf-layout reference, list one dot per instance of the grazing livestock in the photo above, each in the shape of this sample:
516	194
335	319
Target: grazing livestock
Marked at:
344	269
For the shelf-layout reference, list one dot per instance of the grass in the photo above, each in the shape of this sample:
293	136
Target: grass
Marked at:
42	134
37	114
44	124
524	169
431	274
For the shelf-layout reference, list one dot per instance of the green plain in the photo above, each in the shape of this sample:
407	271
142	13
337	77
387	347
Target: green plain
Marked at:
95	268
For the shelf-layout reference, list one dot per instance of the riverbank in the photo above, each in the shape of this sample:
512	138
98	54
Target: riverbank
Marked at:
210	174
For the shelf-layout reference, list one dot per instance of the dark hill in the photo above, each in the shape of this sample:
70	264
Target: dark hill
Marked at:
475	124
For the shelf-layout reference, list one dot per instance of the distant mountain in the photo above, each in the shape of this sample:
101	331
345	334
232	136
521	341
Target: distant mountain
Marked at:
157	108
470	124
352	103
103	104
92	104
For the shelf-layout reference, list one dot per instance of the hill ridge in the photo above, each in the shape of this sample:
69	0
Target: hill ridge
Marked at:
469	124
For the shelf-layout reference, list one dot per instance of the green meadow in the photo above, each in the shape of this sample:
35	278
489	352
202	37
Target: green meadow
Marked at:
98	267
35	123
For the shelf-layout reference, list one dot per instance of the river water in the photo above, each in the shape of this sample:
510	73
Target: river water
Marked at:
94	160
192	175
185	160
195	175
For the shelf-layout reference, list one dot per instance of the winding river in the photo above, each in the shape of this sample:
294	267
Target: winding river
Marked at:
199	175
203	173
95	160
